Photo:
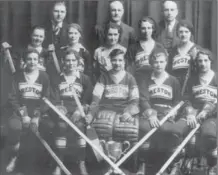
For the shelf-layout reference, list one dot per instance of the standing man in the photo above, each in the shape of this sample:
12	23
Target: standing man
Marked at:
167	28
57	28
116	14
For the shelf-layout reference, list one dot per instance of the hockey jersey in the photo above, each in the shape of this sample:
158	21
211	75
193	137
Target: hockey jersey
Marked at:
102	60
85	62
118	96
201	93
160	95
178	65
62	90
138	58
29	94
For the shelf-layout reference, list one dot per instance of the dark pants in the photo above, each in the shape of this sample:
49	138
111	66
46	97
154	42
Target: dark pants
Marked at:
62	138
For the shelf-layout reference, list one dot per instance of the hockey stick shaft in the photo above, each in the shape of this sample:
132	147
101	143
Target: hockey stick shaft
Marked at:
83	136
178	150
51	152
147	136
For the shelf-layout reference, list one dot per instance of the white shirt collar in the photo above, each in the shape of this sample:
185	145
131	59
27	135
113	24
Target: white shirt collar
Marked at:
117	77
59	25
170	25
160	79
206	78
39	49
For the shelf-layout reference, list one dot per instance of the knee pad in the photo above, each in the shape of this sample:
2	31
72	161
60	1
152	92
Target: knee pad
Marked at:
104	123
15	123
126	131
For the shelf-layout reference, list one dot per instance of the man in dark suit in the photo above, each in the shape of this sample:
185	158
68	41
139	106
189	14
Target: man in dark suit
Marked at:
116	14
167	27
57	28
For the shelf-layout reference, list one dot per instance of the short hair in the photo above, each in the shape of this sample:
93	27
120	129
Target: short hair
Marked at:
116	52
150	20
77	27
207	52
70	51
188	25
112	26
62	2
163	2
29	51
157	53
121	1
36	27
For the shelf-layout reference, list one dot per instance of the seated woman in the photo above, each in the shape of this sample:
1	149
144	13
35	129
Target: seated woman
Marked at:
159	93
62	95
202	107
28	88
138	54
102	62
116	90
181	60
115	103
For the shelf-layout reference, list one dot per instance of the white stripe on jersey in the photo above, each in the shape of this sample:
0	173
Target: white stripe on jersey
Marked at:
142	59
117	91
205	93
160	91
181	61
30	90
98	90
66	89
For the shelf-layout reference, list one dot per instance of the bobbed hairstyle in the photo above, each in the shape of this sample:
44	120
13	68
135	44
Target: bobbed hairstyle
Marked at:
151	21
116	52
112	26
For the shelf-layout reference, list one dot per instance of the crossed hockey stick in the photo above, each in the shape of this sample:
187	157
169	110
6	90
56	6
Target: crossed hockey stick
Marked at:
63	117
147	136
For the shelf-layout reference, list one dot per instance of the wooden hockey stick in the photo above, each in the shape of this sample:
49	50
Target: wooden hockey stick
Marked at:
150	133
51	152
91	133
178	150
6	47
51	49
63	117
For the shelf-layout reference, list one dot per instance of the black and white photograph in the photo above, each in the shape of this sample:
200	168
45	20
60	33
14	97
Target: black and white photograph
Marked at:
108	87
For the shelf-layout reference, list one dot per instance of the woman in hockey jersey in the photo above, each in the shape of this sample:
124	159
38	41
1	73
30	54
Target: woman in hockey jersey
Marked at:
62	94
102	62
28	88
181	60
158	94
138	54
74	42
202	107
116	90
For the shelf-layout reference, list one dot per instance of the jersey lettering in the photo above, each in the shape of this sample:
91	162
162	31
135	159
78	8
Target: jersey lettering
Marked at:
142	59
181	61
117	91
66	89
207	93
160	91
30	91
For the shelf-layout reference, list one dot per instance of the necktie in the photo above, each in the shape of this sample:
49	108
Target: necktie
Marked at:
56	30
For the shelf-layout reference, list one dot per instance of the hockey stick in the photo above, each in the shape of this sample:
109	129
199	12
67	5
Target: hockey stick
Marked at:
63	117
91	133
51	49
150	133
6	47
51	152
180	147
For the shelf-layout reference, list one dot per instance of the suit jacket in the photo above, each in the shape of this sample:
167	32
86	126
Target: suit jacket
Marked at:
128	35
168	41
58	40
